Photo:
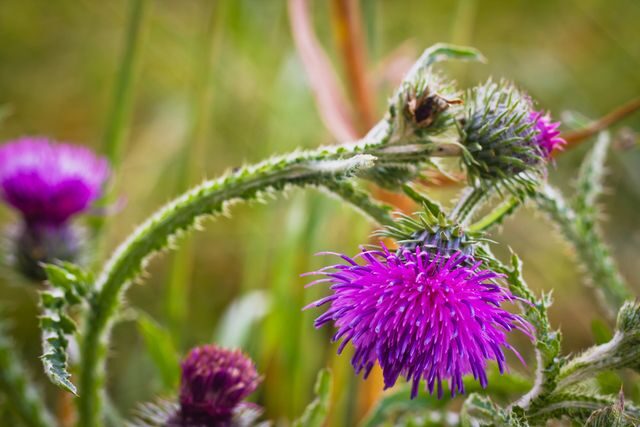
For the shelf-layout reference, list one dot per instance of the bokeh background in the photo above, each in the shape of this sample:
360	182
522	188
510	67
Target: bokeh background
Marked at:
238	282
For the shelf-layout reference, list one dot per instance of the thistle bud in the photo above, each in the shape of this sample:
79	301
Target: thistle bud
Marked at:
426	107
434	233
214	383
502	135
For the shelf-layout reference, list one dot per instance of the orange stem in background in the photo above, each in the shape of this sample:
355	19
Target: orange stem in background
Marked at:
332	105
575	137
350	36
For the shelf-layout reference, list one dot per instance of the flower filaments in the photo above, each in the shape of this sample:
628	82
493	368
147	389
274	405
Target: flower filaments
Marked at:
214	383
547	133
502	134
419	315
48	183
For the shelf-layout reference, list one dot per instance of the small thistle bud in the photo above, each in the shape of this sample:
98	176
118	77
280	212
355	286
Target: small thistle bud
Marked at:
613	415
48	183
502	135
426	106
214	383
629	319
434	233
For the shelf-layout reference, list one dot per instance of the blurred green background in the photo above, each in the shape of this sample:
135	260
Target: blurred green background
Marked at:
57	75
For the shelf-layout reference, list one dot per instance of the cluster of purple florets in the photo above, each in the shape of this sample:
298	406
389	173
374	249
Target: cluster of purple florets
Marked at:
419	315
214	383
547	134
48	183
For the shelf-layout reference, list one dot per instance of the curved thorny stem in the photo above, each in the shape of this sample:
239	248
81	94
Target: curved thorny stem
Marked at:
326	167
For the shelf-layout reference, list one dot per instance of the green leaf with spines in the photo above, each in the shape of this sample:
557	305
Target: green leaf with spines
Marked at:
622	351
576	406
443	52
481	410
315	414
591	250
589	183
547	340
69	285
392	404
613	415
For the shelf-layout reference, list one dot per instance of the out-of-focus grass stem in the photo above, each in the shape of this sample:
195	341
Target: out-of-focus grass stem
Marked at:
462	29
119	118
120	114
191	166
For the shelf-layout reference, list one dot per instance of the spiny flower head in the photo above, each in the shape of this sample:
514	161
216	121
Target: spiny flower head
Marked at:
548	135
432	230
427	105
214	382
419	315
502	134
49	182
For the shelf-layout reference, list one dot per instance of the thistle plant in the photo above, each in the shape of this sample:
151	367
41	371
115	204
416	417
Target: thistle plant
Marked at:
430	304
48	183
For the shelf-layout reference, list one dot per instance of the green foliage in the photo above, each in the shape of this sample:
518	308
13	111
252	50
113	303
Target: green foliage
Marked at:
578	224
120	113
316	413
612	416
69	286
469	201
589	184
497	215
622	351
547	340
578	407
481	410
395	405
361	200
15	386
236	324
161	348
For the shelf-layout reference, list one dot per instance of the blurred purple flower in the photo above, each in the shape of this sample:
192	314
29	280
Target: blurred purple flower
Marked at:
50	182
548	135
214	383
425	317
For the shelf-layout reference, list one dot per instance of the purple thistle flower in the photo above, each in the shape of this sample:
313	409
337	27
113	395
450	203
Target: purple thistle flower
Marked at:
214	383
50	182
548	135
420	316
